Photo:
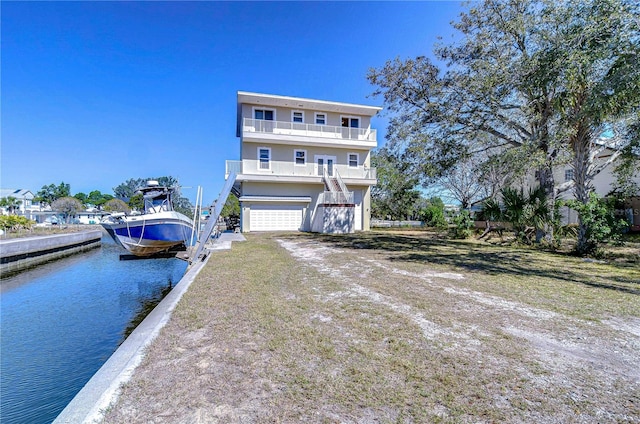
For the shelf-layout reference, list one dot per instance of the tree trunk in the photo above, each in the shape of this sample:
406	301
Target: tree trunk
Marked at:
547	182
546	179
580	142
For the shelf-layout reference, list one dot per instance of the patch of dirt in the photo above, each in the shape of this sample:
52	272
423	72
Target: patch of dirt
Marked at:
297	328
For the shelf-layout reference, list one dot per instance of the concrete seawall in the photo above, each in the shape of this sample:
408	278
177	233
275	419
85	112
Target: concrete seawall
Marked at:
90	404
103	389
18	254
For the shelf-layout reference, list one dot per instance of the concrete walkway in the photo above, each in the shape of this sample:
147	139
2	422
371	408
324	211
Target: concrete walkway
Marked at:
89	405
224	241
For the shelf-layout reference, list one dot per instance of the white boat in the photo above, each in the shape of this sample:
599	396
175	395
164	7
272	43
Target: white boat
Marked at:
158	229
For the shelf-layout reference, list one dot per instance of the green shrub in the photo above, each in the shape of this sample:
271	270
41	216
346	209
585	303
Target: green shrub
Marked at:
598	223
433	216
528	214
15	223
462	227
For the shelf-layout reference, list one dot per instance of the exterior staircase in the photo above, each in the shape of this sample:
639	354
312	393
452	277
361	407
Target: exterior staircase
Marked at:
334	210
336	192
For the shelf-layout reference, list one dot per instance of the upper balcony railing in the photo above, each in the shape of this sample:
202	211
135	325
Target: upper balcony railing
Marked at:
289	169
307	130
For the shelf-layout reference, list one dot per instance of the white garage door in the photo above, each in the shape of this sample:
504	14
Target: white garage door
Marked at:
276	217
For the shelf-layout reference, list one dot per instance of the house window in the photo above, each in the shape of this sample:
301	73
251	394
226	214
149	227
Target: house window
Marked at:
264	114
353	160
350	122
264	156
321	119
300	157
297	116
568	174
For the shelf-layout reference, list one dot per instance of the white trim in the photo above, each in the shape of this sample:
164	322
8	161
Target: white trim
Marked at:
357	210
245	97
260	168
293	112
295	162
288	199
315	118
349	159
325	165
276	217
254	108
350	117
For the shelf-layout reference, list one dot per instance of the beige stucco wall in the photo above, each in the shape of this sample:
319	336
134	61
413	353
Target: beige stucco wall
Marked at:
285	153
603	182
277	189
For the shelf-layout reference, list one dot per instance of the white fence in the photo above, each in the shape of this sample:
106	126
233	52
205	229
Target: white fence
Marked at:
381	223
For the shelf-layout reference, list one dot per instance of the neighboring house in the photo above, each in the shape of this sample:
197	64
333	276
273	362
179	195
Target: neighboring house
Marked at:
305	164
24	198
603	184
90	216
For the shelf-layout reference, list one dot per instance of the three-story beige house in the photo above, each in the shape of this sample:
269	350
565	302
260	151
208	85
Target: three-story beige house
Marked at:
305	164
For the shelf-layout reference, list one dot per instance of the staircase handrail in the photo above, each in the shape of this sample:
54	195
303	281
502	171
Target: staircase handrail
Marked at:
327	180
213	219
340	192
343	186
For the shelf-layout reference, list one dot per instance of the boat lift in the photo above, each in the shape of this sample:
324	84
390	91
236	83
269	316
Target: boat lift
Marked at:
212	221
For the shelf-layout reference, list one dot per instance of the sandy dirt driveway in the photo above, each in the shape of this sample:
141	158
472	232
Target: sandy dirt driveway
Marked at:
376	328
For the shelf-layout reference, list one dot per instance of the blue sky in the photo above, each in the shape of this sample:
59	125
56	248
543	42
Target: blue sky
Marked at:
96	93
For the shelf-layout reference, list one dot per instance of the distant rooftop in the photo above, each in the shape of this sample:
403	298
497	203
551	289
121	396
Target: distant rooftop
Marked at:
17	193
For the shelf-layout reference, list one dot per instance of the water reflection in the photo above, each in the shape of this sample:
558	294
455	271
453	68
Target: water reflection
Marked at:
146	307
61	321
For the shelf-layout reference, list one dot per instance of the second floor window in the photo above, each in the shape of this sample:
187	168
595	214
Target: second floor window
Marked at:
298	117
300	157
353	160
264	156
264	114
321	119
350	122
568	174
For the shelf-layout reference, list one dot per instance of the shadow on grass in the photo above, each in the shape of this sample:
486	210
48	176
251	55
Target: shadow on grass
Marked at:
486	259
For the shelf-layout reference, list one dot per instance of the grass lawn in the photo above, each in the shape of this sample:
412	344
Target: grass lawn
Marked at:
393	326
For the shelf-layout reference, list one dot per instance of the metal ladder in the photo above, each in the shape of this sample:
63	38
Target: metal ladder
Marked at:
213	219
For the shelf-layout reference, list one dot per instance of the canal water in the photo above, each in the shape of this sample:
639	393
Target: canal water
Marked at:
61	321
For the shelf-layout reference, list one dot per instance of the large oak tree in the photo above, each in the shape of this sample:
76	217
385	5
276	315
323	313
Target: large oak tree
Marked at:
546	78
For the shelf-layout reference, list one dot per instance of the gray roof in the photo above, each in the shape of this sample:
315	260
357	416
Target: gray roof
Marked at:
20	193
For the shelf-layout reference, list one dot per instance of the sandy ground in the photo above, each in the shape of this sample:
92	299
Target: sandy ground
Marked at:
298	328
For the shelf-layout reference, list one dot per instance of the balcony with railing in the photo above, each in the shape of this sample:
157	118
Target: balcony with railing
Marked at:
251	127
281	169
335	198
337	192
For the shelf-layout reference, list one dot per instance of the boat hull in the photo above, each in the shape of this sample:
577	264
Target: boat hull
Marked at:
146	235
